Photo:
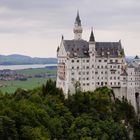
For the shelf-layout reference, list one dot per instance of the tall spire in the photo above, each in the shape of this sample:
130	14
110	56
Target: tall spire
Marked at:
92	36
77	20
77	28
62	37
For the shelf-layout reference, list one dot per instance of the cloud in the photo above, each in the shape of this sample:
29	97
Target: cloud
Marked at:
45	19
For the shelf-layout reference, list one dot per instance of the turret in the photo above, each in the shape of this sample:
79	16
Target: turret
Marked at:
92	42
77	28
92	39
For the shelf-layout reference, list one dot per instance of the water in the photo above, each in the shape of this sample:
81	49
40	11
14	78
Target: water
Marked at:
20	67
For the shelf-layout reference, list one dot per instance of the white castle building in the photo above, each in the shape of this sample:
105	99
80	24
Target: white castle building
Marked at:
89	64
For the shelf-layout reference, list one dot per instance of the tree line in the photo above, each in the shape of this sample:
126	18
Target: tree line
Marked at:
44	114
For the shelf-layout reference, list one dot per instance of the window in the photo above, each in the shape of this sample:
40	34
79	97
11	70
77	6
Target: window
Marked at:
72	67
100	61
77	61
77	67
92	66
72	73
105	60
111	61
87	60
98	67
118	66
112	72
72	79
72	61
116	61
87	78
79	73
87	67
87	73
87	84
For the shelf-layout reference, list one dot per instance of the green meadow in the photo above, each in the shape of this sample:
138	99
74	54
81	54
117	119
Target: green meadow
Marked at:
30	83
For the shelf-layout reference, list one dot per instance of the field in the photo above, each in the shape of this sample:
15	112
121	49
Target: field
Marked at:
11	86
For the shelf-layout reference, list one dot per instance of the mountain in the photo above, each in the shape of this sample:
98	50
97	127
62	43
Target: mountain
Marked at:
16	59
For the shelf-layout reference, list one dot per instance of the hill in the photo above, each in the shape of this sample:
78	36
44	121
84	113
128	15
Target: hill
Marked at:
16	59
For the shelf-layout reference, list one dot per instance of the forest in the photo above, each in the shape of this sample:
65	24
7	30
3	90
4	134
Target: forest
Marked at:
44	113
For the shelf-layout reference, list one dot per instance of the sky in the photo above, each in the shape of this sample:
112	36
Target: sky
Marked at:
35	27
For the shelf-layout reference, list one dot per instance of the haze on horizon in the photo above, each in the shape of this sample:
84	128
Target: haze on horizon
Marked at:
34	27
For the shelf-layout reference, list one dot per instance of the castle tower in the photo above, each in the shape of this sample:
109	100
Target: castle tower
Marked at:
92	60
92	42
77	28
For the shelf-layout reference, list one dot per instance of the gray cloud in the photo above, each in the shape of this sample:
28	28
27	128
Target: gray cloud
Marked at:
50	18
57	14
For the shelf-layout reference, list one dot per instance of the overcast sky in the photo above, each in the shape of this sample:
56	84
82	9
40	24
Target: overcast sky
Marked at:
34	27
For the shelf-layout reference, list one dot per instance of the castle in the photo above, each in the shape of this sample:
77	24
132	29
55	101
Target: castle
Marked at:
87	65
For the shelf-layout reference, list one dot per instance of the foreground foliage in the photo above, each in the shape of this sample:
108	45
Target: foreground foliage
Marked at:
44	114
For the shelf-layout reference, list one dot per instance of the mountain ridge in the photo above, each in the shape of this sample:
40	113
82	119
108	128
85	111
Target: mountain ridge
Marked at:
17	59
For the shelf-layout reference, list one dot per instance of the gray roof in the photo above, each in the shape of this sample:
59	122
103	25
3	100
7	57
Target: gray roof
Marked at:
80	48
92	38
77	20
136	57
113	49
76	48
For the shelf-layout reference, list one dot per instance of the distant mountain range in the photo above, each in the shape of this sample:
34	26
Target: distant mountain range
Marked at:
16	59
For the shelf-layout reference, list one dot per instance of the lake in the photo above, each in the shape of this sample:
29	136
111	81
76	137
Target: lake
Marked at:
20	67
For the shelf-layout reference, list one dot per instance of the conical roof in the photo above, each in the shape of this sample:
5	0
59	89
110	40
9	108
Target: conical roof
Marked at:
92	38
77	20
